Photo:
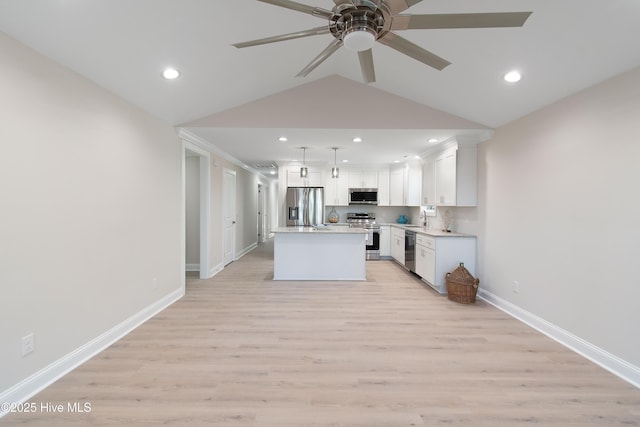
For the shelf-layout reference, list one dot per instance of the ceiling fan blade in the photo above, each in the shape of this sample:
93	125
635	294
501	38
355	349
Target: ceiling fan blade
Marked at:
403	45
397	6
283	37
327	52
366	64
459	20
311	10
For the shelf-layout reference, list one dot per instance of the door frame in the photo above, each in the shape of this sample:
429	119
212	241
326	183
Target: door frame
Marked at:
205	209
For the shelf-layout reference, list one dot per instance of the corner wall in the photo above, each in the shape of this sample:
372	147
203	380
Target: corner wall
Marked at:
558	212
91	214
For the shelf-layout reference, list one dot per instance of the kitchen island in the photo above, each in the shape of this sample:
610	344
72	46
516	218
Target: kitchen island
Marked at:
319	253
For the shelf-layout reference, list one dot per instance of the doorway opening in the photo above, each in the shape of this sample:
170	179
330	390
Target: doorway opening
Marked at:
196	172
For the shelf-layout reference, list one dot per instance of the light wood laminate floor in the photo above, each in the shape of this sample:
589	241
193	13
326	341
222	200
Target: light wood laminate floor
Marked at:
242	350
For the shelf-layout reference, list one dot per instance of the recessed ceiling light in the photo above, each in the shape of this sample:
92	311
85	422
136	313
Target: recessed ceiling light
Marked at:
357	139
272	172
283	139
345	161
396	161
432	140
513	76
170	73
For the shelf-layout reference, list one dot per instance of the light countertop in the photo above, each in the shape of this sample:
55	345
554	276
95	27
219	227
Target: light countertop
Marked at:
323	229
419	229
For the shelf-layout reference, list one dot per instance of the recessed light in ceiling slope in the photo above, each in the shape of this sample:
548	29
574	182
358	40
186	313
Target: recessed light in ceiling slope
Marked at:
513	76
170	73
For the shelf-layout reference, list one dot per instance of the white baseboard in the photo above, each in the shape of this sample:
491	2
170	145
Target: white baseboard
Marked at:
608	361
37	382
192	267
215	270
246	250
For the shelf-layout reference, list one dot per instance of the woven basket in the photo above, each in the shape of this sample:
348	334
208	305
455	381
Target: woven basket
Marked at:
462	287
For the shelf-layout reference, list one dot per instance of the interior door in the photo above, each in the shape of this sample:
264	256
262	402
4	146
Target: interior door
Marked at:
229	215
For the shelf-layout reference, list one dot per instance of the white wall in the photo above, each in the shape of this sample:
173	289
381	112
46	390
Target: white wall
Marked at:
559	203
90	211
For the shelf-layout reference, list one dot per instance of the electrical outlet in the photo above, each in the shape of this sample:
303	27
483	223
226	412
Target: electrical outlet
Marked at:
28	344
516	286
154	283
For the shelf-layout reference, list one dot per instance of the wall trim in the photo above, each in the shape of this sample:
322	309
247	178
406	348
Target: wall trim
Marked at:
246	250
215	270
37	382
603	358
192	267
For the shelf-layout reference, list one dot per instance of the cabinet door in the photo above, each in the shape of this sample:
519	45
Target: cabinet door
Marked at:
396	187
427	257
370	179
429	182
385	240
383	187
336	191
413	185
397	245
330	192
355	179
342	191
446	180
314	178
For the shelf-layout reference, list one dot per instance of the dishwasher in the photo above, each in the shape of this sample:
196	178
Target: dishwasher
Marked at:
410	250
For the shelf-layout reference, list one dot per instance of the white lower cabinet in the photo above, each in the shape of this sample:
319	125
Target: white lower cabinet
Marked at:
425	257
437	256
397	245
385	240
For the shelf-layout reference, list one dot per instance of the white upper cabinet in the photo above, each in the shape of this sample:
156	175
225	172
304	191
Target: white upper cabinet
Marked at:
446	179
363	178
383	187
396	187
456	177
336	191
429	182
413	184
405	184
315	177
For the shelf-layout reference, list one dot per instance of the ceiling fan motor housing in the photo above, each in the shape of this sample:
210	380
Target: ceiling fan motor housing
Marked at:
365	18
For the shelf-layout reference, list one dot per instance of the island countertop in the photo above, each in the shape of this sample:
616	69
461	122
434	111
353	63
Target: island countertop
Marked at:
324	229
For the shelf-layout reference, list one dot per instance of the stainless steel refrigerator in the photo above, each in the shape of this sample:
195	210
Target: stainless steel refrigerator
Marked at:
305	206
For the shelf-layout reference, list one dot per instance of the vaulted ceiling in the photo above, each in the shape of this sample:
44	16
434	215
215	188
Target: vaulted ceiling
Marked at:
240	99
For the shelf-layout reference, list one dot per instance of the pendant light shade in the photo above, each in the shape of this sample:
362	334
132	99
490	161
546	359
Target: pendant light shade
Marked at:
335	172
303	170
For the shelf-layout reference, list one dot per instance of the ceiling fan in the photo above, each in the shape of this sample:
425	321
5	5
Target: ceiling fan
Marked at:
358	24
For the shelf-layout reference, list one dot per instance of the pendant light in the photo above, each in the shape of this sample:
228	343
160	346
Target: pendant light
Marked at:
335	172
303	170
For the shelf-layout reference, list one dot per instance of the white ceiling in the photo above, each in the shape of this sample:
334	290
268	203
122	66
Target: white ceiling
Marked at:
123	45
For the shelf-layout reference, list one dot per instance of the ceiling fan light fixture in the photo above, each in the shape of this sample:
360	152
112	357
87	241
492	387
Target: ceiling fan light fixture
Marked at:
359	39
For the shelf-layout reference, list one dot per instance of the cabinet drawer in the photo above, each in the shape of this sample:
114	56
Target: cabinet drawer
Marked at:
427	241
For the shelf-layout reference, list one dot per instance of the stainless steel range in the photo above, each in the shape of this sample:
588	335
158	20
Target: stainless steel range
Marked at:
367	221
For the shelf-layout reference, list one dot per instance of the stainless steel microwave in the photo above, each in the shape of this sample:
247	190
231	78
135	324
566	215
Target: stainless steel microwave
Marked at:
363	196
